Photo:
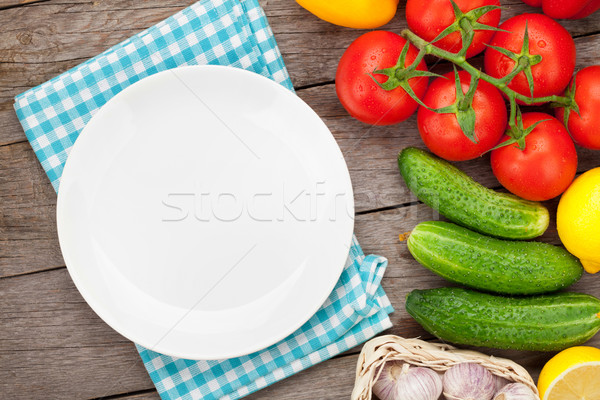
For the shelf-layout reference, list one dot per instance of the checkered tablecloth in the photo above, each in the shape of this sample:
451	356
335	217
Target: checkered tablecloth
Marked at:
223	32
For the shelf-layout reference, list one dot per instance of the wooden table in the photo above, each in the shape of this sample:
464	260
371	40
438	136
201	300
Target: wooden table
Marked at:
52	345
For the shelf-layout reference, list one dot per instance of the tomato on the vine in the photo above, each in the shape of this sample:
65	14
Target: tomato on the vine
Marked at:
442	134
428	18
571	9
584	126
547	165
360	95
548	39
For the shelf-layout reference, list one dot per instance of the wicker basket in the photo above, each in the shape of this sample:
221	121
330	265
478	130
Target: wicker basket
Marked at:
436	356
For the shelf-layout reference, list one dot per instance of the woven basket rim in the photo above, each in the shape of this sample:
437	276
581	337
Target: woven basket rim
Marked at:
437	356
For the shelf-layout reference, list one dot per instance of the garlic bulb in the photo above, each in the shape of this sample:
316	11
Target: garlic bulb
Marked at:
469	381
500	383
399	381
515	391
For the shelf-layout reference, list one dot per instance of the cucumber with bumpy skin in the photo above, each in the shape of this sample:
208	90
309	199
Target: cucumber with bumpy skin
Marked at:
482	262
544	323
459	198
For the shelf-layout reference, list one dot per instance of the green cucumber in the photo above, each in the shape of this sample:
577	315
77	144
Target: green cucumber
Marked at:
482	262
459	198
544	323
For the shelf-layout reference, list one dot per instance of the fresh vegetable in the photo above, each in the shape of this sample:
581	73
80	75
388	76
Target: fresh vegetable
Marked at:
571	9
548	55
531	60
468	381
400	380
517	80
501	382
383	351
515	391
583	119
360	14
356	77
455	195
481	262
429	18
545	323
541	165
442	132
578	219
572	374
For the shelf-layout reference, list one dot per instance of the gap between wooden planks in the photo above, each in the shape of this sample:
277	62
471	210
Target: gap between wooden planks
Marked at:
28	240
54	343
40	40
58	35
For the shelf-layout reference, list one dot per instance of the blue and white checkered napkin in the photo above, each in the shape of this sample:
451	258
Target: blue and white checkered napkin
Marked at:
356	310
224	32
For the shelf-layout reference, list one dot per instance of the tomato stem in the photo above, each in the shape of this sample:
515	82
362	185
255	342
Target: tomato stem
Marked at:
501	84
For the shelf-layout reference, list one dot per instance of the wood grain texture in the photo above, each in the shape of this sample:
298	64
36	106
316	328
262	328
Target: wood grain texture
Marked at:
52	345
40	41
46	322
16	3
146	395
28	240
27	224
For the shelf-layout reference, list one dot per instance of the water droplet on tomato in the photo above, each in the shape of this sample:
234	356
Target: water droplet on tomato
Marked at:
373	57
541	44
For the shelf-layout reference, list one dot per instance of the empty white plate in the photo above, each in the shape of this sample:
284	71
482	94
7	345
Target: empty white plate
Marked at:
205	212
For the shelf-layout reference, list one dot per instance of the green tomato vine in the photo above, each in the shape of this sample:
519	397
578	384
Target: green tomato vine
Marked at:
466	24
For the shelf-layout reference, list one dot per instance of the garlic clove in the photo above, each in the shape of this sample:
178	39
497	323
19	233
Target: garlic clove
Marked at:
469	381
385	386
399	381
419	384
515	391
500	382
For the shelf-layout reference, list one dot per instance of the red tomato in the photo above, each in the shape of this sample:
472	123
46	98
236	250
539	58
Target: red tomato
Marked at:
548	39
428	18
585	126
545	168
441	132
534	3
571	9
362	97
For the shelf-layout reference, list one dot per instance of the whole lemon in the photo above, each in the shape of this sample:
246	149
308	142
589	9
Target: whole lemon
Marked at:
578	219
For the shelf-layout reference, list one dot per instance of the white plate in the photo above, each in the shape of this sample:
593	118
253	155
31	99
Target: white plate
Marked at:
205	212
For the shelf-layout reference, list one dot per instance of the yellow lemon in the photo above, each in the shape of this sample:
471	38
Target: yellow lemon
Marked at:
578	219
572	374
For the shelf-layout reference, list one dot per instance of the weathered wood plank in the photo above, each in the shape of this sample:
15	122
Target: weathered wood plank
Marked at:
40	41
147	395
331	380
144	396
27	224
15	3
47	323
28	219
52	344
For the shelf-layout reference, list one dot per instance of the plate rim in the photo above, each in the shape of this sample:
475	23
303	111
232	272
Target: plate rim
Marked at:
104	312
